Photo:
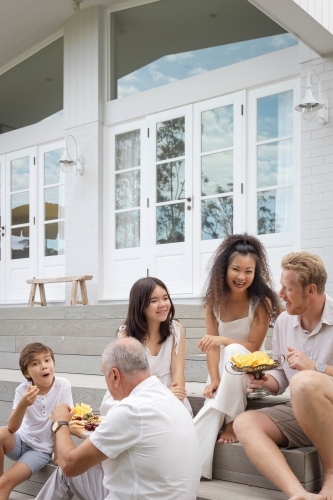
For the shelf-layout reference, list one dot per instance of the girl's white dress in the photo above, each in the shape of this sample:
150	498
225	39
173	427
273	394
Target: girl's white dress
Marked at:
230	398
159	365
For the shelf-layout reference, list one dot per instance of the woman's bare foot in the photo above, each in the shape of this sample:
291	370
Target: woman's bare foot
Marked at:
228	436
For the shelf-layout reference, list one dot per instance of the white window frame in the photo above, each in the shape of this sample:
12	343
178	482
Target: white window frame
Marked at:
111	289
287	239
48	266
203	249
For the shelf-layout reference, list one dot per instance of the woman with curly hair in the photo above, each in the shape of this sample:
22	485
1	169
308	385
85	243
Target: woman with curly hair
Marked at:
150	319
239	305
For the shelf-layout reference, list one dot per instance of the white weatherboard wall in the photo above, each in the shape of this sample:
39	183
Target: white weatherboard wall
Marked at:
83	118
320	10
317	170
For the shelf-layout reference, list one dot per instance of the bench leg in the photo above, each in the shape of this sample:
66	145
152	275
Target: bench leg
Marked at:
42	294
74	293
32	295
84	294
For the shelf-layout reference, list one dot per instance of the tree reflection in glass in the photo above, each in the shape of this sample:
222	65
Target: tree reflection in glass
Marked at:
170	222
170	181
170	139
275	210
217	132
216	218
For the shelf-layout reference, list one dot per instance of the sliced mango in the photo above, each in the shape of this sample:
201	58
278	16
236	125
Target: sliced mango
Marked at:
81	409
252	359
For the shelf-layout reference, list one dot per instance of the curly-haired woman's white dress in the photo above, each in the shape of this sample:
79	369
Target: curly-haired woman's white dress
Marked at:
160	366
230	398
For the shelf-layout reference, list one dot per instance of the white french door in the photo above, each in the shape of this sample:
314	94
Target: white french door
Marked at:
18	224
32	210
175	182
126	247
50	220
206	170
2	230
218	177
170	199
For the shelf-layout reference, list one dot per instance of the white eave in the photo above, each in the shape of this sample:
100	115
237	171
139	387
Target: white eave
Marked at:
297	21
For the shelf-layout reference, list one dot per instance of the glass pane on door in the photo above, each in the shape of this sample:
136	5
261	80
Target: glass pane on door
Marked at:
275	116
217	130
274	209
20	242
127	189
20	208
0	212
54	238
217	218
217	172
128	229
170	181
170	139
128	150
54	205
275	163
170	223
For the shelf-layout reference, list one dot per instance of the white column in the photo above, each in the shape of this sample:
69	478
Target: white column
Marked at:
83	118
317	168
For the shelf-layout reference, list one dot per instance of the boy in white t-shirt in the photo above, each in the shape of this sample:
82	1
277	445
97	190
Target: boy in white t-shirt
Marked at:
28	438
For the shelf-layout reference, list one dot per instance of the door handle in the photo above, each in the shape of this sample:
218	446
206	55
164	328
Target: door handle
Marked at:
187	199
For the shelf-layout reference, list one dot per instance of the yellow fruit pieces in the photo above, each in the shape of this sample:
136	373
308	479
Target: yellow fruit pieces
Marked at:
81	409
252	359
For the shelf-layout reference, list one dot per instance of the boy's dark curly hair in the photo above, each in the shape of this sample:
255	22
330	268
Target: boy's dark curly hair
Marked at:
217	289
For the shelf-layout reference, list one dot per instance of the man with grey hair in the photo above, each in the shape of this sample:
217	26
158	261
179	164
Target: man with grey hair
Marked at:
145	448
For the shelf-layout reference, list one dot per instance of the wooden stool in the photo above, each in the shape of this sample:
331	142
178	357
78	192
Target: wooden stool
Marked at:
75	283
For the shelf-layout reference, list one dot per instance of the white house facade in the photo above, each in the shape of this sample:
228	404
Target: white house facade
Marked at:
182	112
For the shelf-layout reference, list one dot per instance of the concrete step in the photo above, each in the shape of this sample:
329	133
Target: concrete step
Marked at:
232	464
77	335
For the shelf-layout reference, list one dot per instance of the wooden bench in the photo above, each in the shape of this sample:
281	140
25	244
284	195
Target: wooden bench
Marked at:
76	280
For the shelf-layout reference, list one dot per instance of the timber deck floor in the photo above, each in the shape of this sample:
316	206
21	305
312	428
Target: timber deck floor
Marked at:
20	496
223	490
213	490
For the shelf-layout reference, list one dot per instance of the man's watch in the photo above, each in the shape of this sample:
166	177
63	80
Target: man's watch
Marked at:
320	367
56	425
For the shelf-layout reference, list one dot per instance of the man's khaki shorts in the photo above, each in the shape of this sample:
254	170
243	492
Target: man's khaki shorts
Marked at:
284	419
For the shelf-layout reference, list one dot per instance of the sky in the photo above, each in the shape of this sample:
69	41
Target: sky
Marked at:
174	67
